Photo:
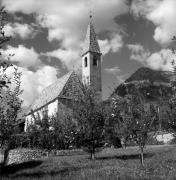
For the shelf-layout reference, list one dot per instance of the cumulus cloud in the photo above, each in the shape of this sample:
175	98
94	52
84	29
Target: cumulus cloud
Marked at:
34	82
70	15
161	13
66	20
68	57
23	56
114	44
142	8
23	31
138	52
160	60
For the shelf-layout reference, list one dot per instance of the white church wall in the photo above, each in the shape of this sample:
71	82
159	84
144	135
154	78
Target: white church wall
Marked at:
86	70
28	120
52	108
39	113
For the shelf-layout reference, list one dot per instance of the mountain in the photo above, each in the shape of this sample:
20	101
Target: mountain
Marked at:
144	73
153	85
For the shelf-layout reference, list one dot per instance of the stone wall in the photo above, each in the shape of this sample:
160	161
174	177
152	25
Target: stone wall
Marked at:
17	156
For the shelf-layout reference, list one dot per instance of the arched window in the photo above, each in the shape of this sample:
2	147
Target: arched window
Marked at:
95	61
85	61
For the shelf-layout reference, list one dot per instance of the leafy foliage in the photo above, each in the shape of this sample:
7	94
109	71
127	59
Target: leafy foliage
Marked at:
63	132
52	132
4	64
10	103
90	117
133	120
172	101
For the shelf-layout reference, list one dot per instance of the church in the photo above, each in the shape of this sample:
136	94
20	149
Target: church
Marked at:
57	97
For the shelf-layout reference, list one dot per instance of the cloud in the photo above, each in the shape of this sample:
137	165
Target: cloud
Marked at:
71	57
114	44
114	70
161	13
66	20
58	14
23	31
142	8
34	82
138	52
68	57
160	60
135	48
23	56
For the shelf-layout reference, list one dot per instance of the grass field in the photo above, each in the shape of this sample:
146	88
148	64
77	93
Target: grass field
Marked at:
110	164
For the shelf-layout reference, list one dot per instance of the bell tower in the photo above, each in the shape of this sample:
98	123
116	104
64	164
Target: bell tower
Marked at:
91	61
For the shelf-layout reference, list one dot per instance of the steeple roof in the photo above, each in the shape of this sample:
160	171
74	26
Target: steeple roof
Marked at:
91	43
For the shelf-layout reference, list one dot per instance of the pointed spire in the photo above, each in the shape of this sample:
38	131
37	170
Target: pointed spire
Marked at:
91	42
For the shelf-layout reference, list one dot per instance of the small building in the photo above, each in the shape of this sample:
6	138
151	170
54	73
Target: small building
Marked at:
164	137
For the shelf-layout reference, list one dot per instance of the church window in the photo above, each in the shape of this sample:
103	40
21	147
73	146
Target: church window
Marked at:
95	61
85	61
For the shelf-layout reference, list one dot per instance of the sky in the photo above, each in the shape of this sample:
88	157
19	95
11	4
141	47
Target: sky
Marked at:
47	38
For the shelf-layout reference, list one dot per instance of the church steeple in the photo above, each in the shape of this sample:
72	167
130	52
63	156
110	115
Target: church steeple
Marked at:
91	43
91	61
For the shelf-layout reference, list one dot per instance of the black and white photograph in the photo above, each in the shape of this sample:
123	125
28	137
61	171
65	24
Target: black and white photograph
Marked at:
88	89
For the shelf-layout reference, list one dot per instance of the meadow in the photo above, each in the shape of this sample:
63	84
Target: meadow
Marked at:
110	164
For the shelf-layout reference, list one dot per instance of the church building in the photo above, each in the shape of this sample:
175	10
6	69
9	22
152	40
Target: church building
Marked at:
57	97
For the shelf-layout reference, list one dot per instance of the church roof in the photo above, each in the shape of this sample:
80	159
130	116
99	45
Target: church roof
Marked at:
91	43
51	92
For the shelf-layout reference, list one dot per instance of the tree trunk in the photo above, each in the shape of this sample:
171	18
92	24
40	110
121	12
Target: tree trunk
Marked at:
6	152
142	156
92	155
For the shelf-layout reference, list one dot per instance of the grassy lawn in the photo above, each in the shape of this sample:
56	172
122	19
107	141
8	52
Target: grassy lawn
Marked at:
110	164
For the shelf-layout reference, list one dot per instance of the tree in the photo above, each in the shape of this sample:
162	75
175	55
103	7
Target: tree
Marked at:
90	118
39	132
4	64
10	106
10	103
63	131
112	135
55	132
134	121
172	101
